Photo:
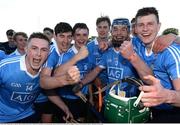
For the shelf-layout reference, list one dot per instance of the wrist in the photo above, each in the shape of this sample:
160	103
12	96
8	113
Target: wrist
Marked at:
132	57
171	96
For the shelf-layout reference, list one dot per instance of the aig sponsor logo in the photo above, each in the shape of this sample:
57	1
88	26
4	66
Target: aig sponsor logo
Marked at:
115	73
23	97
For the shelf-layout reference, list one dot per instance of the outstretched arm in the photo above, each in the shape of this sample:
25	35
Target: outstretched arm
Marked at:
47	81
53	97
163	41
91	75
155	94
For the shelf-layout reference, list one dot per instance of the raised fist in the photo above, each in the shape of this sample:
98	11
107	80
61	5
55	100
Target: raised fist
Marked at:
73	75
83	53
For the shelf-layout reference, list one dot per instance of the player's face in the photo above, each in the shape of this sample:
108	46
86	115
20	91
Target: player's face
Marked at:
21	42
37	53
80	37
147	28
63	41
103	29
119	34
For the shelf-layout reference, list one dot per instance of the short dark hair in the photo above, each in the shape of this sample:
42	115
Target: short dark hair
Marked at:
133	20
39	35
81	26
62	27
147	11
103	18
20	34
48	29
10	32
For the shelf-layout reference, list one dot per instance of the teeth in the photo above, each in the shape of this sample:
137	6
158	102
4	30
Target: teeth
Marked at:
145	34
36	60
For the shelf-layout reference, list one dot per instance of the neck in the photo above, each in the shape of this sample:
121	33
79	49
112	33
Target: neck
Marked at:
78	48
102	39
149	47
21	51
116	48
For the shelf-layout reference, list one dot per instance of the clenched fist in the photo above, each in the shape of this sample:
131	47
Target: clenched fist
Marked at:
83	53
73	75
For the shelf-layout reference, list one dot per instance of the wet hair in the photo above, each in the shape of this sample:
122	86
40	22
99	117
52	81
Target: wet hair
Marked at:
81	26
20	34
10	32
147	11
48	29
102	19
39	35
62	27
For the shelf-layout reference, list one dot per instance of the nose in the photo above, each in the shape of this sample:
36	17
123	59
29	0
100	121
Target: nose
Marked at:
145	27
38	52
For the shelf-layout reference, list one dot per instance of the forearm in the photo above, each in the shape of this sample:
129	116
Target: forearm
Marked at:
90	76
140	66
58	101
62	69
49	82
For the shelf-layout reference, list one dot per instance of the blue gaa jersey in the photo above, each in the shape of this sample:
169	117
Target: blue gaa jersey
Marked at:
84	67
51	63
94	57
165	65
117	68
2	55
13	54
18	90
54	57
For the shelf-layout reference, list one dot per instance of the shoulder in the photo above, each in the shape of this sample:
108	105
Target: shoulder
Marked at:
9	61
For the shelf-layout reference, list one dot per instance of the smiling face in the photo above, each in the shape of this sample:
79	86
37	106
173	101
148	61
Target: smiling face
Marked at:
103	29
80	37
119	34
37	53
63	41
21	42
147	28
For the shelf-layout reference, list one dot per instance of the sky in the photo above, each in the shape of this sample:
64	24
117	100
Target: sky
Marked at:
33	15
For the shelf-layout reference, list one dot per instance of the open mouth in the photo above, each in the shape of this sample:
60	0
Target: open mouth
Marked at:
36	61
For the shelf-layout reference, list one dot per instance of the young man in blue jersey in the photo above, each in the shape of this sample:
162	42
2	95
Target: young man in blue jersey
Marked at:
20	81
20	86
75	104
20	39
63	38
116	66
162	96
96	47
